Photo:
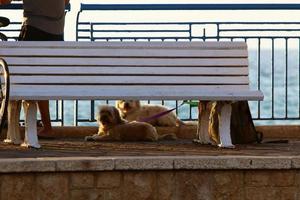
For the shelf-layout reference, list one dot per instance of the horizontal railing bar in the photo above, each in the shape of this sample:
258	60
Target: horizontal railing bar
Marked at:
10	30
19	6
185	23
188	119
276	118
141	31
229	6
148	37
188	37
258	29
13	6
15	23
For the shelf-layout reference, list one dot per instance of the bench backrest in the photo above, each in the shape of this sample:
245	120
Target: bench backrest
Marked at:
128	70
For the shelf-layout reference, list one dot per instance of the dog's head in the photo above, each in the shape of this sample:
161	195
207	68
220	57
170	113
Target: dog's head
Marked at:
127	106
108	116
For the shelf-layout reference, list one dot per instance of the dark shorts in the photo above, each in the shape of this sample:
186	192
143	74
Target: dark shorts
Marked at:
30	33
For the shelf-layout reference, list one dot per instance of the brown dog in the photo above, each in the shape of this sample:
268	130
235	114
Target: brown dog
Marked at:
132	110
113	128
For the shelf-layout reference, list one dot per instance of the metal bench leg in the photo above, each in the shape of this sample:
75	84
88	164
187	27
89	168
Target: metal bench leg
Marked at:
30	110
224	126
13	129
203	123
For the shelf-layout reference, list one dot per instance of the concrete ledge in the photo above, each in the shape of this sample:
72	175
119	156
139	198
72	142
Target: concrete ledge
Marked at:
233	162
71	164
144	163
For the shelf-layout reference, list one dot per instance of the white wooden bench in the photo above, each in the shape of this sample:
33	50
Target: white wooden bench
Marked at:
209	71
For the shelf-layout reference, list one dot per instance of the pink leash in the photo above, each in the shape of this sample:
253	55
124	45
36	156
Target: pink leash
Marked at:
147	119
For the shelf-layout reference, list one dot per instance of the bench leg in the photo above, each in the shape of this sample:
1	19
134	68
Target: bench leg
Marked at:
13	129
30	111
203	123
224	126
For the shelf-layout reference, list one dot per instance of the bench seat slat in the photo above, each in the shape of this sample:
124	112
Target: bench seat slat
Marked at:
129	45
124	53
133	92
48	70
128	61
130	80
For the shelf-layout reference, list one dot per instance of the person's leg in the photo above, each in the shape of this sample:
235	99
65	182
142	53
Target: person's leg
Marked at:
30	33
46	120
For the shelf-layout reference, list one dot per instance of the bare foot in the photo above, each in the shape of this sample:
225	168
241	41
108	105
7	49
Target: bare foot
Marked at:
45	133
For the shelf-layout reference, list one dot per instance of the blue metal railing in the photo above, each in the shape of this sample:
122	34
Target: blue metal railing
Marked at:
19	6
227	6
270	75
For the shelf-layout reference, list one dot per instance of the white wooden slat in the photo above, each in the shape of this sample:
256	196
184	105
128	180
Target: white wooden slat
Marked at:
129	70
125	52
126	45
128	61
97	88
130	79
218	70
132	92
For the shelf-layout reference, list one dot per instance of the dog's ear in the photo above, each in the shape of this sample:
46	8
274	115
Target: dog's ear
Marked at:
117	115
117	103
98	113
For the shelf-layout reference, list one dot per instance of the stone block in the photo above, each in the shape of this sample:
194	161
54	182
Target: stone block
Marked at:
82	180
96	194
87	194
282	178
262	193
18	187
228	185
112	194
289	193
52	186
139	185
194	185
0	187
297	178
108	179
255	178
144	163
166	185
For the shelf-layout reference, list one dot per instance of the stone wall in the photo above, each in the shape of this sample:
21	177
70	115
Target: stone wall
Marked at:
153	184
